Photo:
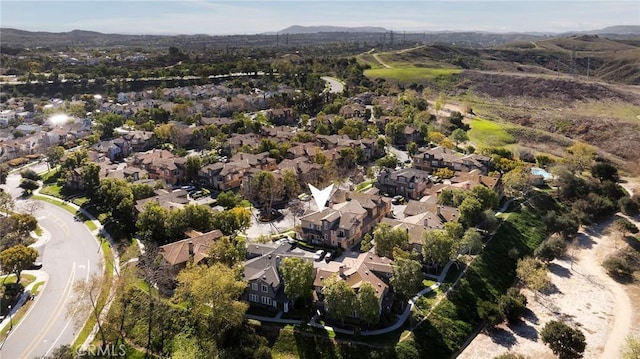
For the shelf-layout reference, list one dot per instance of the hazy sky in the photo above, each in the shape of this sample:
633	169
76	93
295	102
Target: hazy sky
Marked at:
250	17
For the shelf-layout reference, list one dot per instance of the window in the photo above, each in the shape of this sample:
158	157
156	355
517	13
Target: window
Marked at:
253	298
265	288
266	300
434	163
254	286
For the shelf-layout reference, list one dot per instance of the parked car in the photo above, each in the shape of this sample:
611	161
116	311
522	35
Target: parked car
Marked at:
328	257
397	200
319	255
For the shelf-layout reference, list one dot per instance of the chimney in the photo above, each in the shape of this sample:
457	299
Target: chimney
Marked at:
278	263
191	249
341	271
438	211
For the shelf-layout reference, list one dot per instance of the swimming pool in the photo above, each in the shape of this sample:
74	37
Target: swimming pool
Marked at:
539	171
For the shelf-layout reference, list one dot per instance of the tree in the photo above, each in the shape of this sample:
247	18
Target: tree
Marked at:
605	172
86	301
298	275
437	247
91	179
28	185
564	341
517	182
192	166
200	217
489	312
30	174
470	211
412	148
107	123
579	156
512	305
227	251
406	277
624	226
533	274
290	187
444	173
151	223
487	197
16	259
212	295
232	221
115	195
550	249
4	172
266	189
459	135
6	202
387	238
228	199
471	242
632	348
142	191
367	303
339	297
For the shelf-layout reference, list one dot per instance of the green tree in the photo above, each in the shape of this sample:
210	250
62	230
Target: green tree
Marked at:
459	135
199	217
4	172
232	221
564	341
142	191
387	238
115	196
550	249
151	223
290	187
624	226
470	211
192	166
579	156
298	276
512	305
28	185
91	179
227	252
266	189
367	303
229	199
212	297
471	242
489	312
605	172
54	156
533	274
406	277
412	149
437	247
339	297
30	174
487	197
107	123
517	182
16	259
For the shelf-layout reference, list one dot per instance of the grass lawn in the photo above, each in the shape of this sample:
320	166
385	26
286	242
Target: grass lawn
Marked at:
53	201
35	290
53	190
25	279
486	133
410	74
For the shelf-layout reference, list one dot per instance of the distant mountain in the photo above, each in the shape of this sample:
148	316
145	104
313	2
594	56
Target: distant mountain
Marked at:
618	30
298	29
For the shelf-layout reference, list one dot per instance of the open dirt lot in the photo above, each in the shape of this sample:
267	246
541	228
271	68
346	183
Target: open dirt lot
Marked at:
583	295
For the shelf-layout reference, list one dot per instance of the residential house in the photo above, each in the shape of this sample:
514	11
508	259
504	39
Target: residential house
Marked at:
441	157
161	164
468	180
408	182
282	116
176	199
343	224
6	116
194	249
140	141
367	267
353	110
262	272
116	149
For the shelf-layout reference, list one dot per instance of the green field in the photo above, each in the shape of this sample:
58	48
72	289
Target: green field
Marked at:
486	133
407	74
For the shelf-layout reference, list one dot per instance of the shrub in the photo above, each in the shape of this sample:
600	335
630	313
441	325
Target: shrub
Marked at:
17	161
512	305
490	312
564	341
617	265
551	249
30	174
628	206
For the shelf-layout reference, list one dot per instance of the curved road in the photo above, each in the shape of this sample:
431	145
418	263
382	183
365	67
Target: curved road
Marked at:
70	255
335	85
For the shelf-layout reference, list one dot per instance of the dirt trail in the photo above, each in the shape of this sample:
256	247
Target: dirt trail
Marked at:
375	56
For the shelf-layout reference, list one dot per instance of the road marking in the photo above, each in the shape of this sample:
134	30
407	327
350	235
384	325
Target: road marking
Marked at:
52	319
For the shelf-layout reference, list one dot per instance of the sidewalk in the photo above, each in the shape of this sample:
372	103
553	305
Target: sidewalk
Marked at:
41	276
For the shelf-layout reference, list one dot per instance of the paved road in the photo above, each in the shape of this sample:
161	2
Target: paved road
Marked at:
335	85
69	255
